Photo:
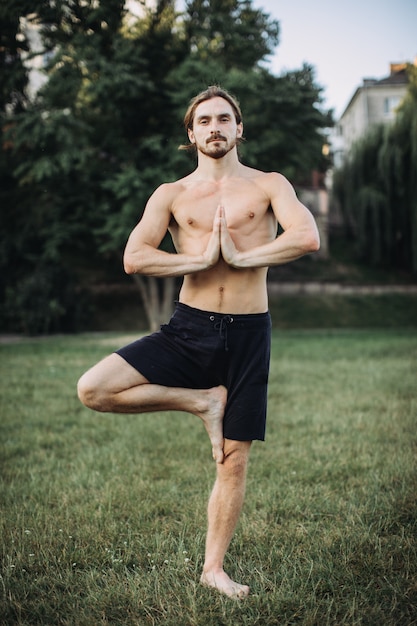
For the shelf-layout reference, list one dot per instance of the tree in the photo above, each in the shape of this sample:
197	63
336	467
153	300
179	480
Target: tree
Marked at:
13	82
377	189
91	139
103	131
229	32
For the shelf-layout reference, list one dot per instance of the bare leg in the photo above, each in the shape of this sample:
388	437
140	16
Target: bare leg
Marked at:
114	386
224	508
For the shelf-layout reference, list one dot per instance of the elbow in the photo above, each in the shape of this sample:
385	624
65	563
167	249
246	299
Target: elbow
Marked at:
312	242
128	265
315	244
129	269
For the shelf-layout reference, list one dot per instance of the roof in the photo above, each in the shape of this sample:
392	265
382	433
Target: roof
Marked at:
395	78
398	76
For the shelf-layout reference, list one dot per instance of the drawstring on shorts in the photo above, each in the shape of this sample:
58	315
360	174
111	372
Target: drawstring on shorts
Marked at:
221	325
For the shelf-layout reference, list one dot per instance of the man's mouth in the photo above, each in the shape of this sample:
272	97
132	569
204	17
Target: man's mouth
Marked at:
218	138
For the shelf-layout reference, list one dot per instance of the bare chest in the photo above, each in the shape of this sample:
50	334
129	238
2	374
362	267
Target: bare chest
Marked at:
245	206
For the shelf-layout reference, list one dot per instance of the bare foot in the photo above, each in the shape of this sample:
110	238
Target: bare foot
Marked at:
223	583
212	417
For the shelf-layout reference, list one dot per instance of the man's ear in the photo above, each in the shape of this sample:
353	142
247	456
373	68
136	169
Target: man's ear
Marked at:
239	132
191	135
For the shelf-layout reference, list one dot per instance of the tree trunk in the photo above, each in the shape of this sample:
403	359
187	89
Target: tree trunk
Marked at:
158	297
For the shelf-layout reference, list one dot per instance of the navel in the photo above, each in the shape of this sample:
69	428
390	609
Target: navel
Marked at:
221	292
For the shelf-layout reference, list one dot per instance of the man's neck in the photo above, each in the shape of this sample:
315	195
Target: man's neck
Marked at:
216	169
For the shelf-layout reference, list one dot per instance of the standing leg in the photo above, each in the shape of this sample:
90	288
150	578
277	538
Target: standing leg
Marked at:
224	508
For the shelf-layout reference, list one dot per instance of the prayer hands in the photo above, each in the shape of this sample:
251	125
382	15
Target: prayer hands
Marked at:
228	249
220	242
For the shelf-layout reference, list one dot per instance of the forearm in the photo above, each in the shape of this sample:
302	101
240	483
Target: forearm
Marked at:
287	247
151	262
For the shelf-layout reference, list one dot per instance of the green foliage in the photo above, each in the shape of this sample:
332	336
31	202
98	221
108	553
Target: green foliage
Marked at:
45	301
13	43
230	32
377	189
103	131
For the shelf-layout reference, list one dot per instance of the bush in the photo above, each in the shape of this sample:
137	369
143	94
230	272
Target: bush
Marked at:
46	301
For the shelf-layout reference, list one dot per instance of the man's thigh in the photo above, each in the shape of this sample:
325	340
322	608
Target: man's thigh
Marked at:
114	374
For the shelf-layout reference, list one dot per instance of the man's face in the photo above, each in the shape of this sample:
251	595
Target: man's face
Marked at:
215	131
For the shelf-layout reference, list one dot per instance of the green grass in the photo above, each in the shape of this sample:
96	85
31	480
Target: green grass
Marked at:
344	311
103	516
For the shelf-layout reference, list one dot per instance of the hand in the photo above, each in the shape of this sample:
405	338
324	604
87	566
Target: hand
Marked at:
212	252
228	248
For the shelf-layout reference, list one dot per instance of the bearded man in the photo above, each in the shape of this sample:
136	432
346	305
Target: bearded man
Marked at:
212	358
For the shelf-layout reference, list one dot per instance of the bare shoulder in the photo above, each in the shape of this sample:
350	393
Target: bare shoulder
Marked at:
269	180
168	192
272	183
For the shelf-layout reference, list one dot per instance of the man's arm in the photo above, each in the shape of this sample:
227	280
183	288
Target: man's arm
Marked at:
141	254
300	234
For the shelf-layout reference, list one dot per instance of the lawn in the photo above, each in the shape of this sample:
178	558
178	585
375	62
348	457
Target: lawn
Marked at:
103	516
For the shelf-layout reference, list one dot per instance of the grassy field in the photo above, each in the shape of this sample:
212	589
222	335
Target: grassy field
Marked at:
103	516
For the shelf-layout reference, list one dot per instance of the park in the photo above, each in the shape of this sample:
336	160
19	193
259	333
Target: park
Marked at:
103	516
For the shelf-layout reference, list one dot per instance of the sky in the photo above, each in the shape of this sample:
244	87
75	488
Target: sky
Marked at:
344	41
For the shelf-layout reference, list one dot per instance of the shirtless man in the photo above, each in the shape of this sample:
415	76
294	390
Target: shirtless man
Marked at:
212	358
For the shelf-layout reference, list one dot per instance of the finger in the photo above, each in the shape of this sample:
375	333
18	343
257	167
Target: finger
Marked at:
216	224
217	219
222	218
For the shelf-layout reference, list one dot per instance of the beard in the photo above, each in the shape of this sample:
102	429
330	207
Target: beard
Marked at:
216	148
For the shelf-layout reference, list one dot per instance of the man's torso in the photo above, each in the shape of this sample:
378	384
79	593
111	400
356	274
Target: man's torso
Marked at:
251	223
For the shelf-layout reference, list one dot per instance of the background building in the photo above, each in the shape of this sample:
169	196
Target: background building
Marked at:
374	102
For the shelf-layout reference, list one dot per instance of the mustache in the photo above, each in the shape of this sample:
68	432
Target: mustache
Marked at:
216	138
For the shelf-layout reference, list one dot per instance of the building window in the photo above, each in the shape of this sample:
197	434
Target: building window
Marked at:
390	105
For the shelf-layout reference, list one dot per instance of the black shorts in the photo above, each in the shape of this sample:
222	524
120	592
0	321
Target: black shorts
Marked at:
199	350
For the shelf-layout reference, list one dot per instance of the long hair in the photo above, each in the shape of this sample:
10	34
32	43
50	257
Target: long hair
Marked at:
214	91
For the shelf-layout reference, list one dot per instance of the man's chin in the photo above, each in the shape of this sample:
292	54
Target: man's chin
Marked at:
216	152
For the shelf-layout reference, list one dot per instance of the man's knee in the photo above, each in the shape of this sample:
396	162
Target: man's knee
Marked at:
90	394
236	456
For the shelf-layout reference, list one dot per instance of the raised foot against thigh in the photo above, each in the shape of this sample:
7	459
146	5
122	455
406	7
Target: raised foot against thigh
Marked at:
212	416
223	583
